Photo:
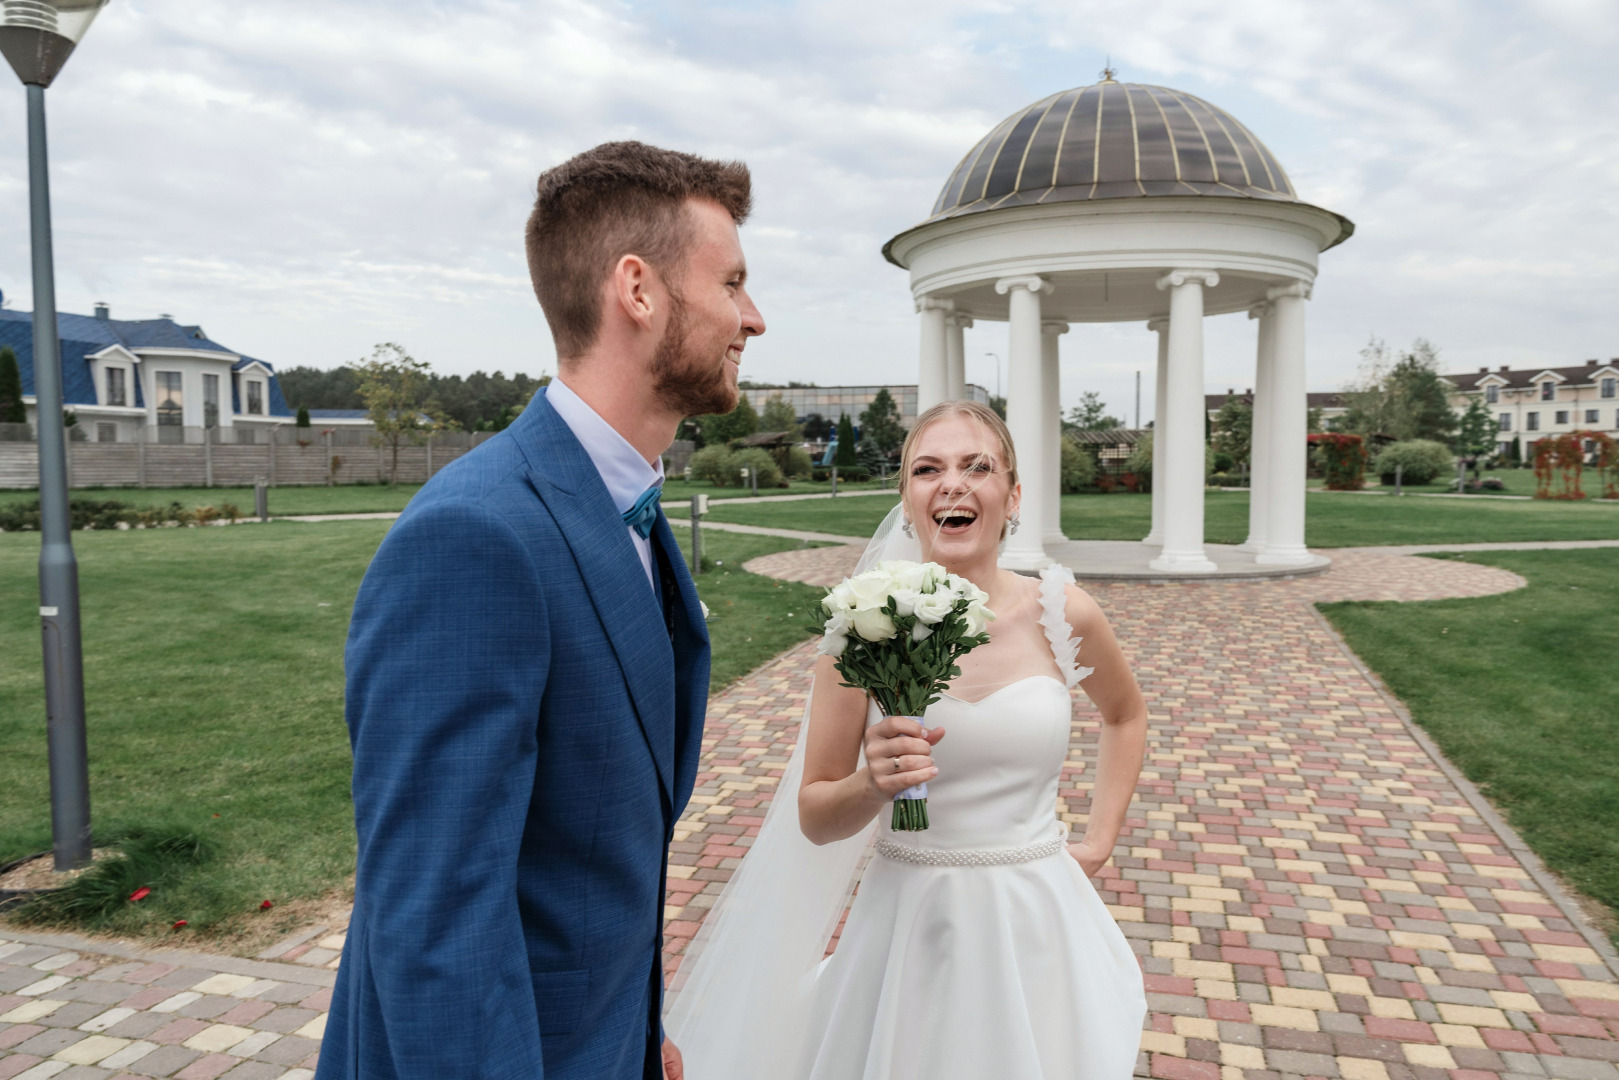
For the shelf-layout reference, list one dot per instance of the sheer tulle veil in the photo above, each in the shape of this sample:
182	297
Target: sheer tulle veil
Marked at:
739	1004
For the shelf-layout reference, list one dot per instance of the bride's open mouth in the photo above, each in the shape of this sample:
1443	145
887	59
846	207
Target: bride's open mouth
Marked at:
954	520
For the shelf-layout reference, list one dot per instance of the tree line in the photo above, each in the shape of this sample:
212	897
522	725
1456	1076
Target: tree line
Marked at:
475	402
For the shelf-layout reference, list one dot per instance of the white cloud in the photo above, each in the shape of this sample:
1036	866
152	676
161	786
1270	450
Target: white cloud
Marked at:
308	178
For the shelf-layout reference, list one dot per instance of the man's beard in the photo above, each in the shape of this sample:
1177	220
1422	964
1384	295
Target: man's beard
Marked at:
689	385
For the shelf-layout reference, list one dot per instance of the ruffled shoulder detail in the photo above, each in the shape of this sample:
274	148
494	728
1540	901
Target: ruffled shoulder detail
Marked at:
1053	602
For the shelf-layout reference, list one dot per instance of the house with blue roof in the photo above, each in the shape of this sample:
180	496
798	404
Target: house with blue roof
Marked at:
122	375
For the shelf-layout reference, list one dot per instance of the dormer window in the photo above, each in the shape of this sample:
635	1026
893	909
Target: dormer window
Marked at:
116	394
1492	393
1548	390
255	398
1610	387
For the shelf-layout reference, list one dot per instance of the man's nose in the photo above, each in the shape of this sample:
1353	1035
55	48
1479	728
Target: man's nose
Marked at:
753	323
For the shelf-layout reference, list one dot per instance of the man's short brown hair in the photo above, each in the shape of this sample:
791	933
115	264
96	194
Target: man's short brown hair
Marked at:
622	198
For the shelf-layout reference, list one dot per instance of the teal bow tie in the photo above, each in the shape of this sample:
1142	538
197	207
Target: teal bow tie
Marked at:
645	511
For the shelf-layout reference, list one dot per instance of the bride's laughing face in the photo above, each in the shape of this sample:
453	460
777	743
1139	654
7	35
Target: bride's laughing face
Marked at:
958	494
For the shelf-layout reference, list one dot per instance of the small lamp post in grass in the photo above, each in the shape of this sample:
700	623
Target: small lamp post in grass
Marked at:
36	38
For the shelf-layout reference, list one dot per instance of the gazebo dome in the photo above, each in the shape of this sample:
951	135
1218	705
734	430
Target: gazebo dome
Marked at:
1113	140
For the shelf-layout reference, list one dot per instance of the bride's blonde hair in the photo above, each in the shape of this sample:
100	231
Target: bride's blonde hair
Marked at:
986	417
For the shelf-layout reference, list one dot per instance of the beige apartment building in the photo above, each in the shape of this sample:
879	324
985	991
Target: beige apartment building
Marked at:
1532	403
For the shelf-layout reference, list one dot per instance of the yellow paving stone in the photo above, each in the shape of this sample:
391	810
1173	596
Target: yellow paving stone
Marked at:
1391	1008
222	984
1171	950
1311	962
1319	1000
91	1050
1237	872
1122	914
1323	892
1455	903
1579	988
1204	969
1159	1042
1188	934
31	1010
1242	1057
217	1038
1435	1057
1246	923
1206	892
1349	984
1325	918
1284	1016
1427	976
1191	903
1352	1068
682	872
1567	954
1471	962
1522	922
1412	940
1473	931
1473	1015
1459	1035
1215	990
1513	999
1194	879
1197	1027
315	1029
1301	866
1350	907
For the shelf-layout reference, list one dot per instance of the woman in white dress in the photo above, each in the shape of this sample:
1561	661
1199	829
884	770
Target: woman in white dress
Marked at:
978	947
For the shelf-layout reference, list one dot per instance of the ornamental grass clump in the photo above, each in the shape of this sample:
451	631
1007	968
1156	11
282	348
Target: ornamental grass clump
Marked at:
896	632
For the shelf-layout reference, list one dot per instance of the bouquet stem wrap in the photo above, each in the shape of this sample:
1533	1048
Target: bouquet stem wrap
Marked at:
896	632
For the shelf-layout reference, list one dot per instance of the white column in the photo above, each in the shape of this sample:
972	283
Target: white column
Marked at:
1259	454
1185	415
1289	427
1051	394
1025	417
930	372
955	351
1160	436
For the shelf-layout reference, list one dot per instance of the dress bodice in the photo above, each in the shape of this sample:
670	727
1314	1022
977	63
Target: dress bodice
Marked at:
1002	754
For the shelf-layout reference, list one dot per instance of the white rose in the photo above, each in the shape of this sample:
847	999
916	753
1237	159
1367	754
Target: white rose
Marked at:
840	598
839	623
906	574
932	607
873	624
905	600
870	590
833	645
921	632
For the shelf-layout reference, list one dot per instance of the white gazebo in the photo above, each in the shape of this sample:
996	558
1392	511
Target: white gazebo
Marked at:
1120	202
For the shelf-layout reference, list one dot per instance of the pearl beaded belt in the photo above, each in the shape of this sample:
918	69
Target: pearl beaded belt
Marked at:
974	856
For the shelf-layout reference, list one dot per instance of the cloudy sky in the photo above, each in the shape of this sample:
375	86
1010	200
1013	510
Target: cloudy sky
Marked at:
306	178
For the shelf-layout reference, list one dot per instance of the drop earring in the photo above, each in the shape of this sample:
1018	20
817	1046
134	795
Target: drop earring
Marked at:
905	527
1012	524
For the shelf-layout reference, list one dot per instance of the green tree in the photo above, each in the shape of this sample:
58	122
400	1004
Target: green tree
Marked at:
880	424
779	415
998	404
1090	415
739	423
1399	396
1078	468
847	457
395	388
1234	428
818	428
1475	434
11	406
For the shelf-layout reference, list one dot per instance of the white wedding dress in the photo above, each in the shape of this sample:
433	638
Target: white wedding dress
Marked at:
977	948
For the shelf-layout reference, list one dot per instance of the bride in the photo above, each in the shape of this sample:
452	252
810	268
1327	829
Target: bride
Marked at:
976	948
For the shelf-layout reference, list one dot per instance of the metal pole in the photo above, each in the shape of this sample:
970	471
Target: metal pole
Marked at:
698	505
1138	401
58	569
1399	473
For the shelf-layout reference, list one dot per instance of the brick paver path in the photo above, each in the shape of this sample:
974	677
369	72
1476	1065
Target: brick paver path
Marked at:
1310	891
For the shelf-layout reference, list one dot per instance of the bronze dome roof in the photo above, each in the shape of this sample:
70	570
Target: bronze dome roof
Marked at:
1108	141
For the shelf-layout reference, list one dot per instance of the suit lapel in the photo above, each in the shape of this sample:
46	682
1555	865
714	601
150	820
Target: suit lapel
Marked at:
564	477
692	660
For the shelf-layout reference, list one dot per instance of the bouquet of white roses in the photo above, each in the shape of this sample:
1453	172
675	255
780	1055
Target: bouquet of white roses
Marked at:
896	632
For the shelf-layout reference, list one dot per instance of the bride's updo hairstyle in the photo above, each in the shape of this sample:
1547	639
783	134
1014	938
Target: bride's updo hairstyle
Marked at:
987	418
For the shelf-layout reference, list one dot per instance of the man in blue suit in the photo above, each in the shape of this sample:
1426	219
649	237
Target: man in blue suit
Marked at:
528	666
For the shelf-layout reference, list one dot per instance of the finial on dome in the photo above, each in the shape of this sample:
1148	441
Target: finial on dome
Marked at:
1108	71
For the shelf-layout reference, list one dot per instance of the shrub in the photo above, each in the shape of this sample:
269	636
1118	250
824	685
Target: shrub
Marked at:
794	461
712	464
1421	460
1222	462
1078	468
761	463
1341	458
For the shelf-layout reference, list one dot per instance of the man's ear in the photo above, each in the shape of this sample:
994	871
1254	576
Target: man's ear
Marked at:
633	290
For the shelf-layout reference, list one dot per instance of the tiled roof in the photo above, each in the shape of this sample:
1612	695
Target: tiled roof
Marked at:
1522	378
1107	437
338	414
81	336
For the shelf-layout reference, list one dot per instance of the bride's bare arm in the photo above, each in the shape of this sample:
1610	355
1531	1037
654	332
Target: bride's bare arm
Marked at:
837	797
1112	687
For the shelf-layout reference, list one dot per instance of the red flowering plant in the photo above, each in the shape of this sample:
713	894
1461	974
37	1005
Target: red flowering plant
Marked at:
1559	463
1342	458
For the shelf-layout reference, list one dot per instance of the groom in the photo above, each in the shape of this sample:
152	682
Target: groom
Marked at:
528	665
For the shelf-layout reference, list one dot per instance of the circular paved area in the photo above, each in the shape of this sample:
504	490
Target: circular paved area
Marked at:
1310	892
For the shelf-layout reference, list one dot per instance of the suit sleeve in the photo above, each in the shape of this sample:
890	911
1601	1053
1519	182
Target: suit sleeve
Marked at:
446	665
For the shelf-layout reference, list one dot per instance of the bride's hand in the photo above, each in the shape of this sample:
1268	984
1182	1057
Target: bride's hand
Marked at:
899	754
1090	856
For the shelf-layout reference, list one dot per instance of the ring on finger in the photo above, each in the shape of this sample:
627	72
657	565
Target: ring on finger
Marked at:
896	764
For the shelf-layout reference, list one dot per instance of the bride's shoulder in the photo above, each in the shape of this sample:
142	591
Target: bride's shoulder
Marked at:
1081	610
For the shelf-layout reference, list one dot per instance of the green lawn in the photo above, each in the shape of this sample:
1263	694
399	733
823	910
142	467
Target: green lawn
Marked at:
340	499
214	690
1519	692
1332	519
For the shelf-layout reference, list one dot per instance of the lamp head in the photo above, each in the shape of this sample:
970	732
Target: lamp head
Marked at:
37	36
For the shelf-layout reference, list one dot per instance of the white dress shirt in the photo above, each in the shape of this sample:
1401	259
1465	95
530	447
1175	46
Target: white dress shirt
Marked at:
622	468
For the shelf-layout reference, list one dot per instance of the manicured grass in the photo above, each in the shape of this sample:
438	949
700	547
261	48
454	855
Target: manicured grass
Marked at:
339	499
1519	692
214	692
1332	520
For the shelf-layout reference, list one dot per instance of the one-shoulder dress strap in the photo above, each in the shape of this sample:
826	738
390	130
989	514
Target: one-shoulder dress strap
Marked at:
1054	580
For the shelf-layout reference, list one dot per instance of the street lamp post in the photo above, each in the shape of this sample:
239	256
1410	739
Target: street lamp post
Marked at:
997	372
36	38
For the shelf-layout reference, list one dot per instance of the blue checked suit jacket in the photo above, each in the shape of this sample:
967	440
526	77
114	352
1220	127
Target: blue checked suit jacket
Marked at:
526	721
